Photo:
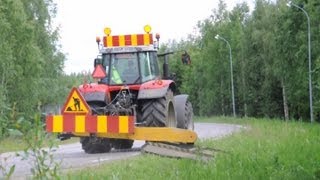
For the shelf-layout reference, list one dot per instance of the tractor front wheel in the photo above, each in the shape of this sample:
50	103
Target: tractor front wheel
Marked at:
122	143
188	115
184	112
94	145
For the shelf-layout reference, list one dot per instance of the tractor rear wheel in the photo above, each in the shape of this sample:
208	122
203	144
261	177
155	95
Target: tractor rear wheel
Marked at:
159	112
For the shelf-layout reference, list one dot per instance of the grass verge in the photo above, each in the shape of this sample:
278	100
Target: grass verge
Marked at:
269	149
17	144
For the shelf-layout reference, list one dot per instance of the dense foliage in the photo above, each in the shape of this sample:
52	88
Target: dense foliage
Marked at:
31	61
270	61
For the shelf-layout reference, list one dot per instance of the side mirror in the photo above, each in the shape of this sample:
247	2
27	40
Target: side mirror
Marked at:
97	61
185	58
173	76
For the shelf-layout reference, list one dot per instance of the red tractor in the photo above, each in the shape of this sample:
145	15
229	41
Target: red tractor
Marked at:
130	89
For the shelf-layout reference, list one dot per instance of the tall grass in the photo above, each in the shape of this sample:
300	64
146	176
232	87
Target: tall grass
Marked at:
271	150
268	149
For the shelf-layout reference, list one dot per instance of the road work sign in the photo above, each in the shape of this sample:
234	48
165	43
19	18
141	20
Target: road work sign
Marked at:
75	104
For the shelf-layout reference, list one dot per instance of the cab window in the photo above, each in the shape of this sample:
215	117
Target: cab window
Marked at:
149	66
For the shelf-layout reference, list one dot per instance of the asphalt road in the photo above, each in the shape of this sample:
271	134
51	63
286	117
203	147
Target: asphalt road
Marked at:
72	156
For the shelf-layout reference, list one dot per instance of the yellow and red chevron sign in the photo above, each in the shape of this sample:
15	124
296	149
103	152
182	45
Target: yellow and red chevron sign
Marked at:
90	124
128	40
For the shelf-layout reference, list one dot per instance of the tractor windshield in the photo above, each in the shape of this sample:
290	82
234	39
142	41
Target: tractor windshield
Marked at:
124	68
130	68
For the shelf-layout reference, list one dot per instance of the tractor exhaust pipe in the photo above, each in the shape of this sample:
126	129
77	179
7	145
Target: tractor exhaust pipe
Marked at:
166	74
166	67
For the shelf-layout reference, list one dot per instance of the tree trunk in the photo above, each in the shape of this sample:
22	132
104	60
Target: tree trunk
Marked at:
285	103
2	92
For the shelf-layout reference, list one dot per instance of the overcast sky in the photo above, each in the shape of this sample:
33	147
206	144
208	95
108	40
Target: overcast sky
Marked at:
81	21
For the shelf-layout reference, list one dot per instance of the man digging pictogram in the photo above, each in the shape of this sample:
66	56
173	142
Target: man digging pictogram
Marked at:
76	104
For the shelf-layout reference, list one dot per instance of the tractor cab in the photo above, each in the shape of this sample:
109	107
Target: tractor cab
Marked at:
127	59
129	67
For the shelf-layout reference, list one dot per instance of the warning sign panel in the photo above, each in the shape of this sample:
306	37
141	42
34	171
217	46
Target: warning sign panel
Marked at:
99	72
75	103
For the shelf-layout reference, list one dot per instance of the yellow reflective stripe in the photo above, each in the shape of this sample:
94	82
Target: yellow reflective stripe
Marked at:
146	39
57	123
102	124
134	41
80	124
115	76
123	124
109	41
121	41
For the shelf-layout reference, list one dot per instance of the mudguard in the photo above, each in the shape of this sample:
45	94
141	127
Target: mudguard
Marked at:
155	89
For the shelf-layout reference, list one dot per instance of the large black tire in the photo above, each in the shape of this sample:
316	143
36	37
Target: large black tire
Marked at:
94	145
188	120
185	117
159	112
184	112
122	143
